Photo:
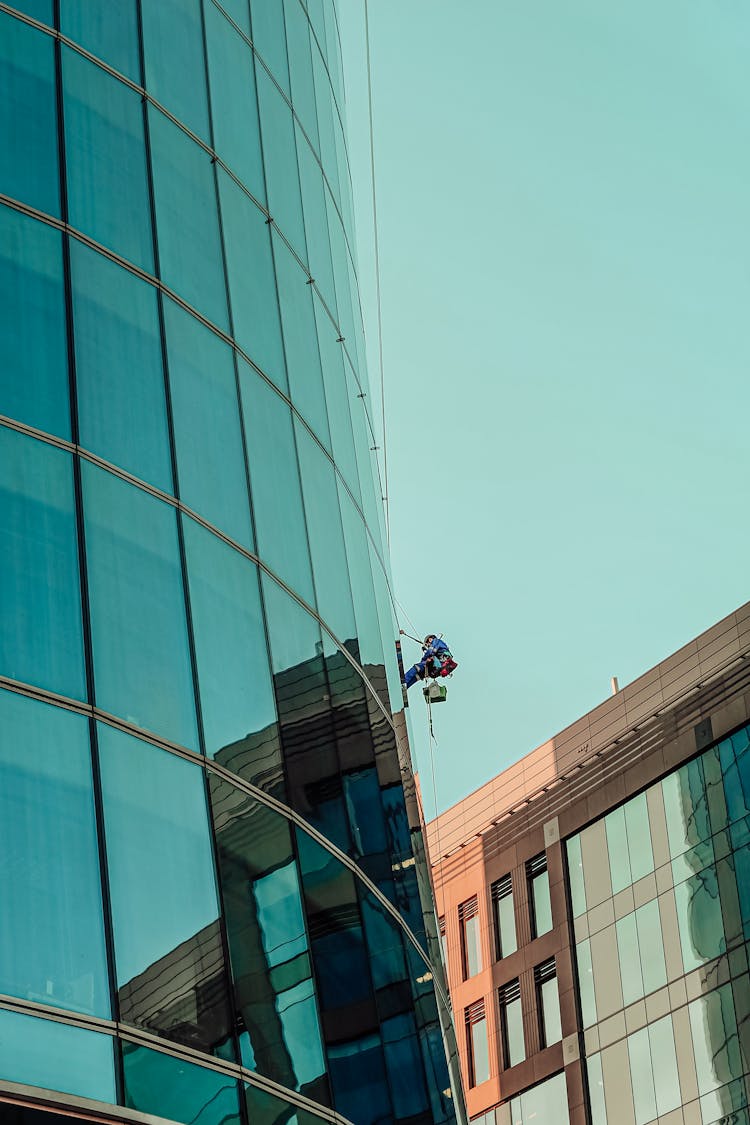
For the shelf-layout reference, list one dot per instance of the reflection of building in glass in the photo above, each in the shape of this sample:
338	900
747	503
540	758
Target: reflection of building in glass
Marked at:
215	906
610	876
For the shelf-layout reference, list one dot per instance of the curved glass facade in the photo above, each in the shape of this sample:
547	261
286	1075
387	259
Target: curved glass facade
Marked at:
210	900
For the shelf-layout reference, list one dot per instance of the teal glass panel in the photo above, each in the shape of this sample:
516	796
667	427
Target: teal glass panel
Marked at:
165	912
700	919
586	982
28	116
269	38
642	1077
234	102
639	837
109	31
207	427
239	11
174	60
359	1080
237	701
42	10
252	282
52	947
544	1104
265	1109
280	157
326	537
596	1090
716	1048
651	946
316	222
686	808
300	68
575	876
274	478
33	342
735	764
301	342
138	627
617	848
369	638
108	196
177	1090
41	636
325	112
56	1056
187	219
664	1062
120	380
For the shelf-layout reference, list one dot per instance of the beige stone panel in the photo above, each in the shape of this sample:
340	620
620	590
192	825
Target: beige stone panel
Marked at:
606	978
623	903
581	927
664	879
677	994
635	1016
691	1114
673	1118
596	865
671	934
657	1004
683	1042
591	1040
644	890
612	1029
658	822
601	916
618	1092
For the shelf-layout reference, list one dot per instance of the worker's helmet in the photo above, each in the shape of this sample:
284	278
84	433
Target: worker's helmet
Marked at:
430	637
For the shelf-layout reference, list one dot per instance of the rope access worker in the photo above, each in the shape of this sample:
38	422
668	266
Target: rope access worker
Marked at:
436	661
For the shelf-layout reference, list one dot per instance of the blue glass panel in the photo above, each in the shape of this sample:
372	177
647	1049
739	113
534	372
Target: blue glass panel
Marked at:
237	704
178	1090
165	912
207	428
109	31
41	638
187	220
252	283
56	1056
359	1082
274	478
735	766
108	195
138	627
33	348
174	60
120	379
384	943
269	38
301	341
234	103
51	924
404	1065
28	115
280	156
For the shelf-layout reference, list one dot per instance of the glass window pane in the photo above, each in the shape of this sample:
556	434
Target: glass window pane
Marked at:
480	1052
56	1056
42	10
274	477
664	1059
586	982
542	904
269	38
109	31
174	60
715	1041
700	919
544	1104
177	1090
514	1030
108	196
617	847
472	947
165	912
234	103
301	342
33	342
120	379
551	1012
359	1081
506	925
187	220
686	808
239	11
300	67
651	945
575	874
252	282
639	838
51	924
237	701
41	636
596	1090
280	155
207	428
138	627
642	1077
28	116
629	958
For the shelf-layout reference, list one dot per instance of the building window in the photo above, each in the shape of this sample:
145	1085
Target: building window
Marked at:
471	949
505	921
511	1024
548	1003
476	1041
541	907
443	942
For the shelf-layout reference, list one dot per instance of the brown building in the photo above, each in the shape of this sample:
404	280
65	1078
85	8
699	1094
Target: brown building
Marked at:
595	904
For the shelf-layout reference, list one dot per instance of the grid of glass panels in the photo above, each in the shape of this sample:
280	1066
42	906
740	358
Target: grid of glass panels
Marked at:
188	519
660	890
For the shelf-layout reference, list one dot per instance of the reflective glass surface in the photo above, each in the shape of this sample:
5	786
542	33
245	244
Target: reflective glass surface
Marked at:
51	923
28	118
550	1007
480	1053
56	1056
506	926
138	625
174	60
108	197
33	345
178	1090
543	1104
542	904
119	374
280	155
301	341
41	639
511	1018
108	31
165	912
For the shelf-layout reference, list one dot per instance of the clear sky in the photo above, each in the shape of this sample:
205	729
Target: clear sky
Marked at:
564	214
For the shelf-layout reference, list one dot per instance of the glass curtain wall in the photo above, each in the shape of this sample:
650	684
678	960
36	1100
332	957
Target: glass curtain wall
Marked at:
210	871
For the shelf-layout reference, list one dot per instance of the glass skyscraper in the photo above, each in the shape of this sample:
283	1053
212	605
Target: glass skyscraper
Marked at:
212	906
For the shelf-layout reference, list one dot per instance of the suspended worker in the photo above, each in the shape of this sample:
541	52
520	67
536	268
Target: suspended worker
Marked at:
436	661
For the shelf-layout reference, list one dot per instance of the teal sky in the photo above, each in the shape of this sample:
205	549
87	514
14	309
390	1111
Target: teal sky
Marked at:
564	216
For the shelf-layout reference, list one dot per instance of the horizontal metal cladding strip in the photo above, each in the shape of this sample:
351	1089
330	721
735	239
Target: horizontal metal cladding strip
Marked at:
686	708
53	33
139	1037
239	783
172	501
151	279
